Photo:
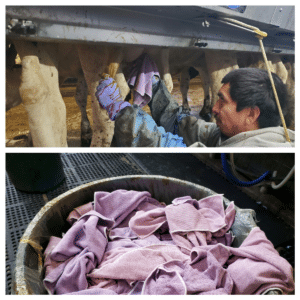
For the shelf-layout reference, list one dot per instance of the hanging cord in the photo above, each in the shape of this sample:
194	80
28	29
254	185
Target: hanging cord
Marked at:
260	35
236	181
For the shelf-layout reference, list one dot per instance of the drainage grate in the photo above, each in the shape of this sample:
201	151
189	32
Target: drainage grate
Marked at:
79	168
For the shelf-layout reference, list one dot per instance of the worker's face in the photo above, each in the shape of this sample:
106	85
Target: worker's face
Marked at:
228	119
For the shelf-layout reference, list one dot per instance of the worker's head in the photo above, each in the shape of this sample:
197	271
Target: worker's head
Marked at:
247	102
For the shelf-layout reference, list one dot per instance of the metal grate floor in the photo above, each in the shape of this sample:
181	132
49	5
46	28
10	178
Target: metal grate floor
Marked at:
79	168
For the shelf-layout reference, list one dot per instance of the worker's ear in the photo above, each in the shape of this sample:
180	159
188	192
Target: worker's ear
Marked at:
253	115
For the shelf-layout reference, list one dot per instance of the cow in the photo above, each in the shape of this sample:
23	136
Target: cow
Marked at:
87	62
97	59
289	64
46	65
68	66
214	65
284	67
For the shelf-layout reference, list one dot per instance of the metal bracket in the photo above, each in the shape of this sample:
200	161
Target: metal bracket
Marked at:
22	27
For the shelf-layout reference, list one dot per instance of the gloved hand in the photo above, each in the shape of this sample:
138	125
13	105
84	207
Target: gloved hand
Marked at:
108	95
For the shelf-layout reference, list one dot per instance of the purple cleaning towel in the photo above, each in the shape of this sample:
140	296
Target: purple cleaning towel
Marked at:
82	247
253	268
78	212
256	266
135	265
140	78
191	222
120	203
130	243
207	277
79	251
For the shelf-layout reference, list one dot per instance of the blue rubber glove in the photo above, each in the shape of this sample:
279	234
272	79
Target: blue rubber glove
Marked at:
179	118
164	139
108	95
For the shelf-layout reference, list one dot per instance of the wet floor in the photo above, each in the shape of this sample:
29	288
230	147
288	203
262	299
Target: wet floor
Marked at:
17	127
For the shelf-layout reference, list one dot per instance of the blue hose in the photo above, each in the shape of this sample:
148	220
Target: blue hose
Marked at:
234	180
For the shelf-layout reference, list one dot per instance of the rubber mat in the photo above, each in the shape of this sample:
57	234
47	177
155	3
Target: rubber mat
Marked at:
79	168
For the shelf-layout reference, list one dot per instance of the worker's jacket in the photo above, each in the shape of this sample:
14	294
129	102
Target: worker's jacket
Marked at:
171	126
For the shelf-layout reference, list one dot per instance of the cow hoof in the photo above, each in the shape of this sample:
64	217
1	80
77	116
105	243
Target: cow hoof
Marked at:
206	117
186	109
86	142
86	139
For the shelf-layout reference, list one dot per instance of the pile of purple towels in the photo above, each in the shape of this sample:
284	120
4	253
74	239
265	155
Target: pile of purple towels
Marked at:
126	242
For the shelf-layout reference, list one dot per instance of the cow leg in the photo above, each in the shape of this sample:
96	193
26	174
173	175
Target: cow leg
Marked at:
122	83
93	60
40	94
284	72
81	100
205	112
164	60
12	84
13	78
96	59
290	84
161	58
278	67
219	63
275	63
184	87
11	54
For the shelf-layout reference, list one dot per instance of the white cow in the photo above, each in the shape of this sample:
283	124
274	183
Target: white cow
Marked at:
45	65
40	94
68	65
180	62
214	65
96	59
40	77
290	83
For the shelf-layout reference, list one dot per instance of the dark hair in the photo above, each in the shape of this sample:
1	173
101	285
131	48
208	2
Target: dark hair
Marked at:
250	87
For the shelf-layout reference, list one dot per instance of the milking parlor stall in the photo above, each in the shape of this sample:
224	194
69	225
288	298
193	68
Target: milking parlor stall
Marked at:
64	50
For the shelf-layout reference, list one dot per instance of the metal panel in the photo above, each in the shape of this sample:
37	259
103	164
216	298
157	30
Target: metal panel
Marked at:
164	26
284	17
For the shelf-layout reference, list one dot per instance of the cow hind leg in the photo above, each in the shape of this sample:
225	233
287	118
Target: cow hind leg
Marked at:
81	100
184	87
161	58
205	112
122	83
96	59
41	96
218	64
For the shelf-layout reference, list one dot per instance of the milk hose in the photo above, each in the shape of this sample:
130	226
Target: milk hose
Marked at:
284	181
236	181
274	174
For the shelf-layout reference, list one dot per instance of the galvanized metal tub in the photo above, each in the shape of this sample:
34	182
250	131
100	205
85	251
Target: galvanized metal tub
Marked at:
29	273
